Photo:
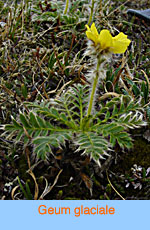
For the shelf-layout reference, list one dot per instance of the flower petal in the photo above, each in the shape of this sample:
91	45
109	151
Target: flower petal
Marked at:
120	43
94	30
92	33
91	36
105	39
88	28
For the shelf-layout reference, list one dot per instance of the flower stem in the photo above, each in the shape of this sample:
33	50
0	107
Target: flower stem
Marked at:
91	14
93	89
66	7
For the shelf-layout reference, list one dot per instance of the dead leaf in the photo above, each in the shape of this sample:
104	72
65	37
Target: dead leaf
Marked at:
88	182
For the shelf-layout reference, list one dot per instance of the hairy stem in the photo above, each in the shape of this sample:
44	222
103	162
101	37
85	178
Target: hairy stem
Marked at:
93	88
66	7
91	14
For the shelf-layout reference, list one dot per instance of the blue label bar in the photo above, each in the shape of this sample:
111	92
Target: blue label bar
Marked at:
117	215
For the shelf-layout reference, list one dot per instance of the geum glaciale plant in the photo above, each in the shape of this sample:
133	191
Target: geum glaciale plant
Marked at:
51	124
75	117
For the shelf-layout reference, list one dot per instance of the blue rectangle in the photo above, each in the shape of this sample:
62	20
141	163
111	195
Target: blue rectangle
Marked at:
26	215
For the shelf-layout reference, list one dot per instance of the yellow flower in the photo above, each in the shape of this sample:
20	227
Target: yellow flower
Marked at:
116	45
92	33
105	40
120	43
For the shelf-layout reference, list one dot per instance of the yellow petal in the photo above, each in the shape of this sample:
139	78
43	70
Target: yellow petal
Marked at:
120	43
92	33
88	28
92	37
120	36
94	30
105	39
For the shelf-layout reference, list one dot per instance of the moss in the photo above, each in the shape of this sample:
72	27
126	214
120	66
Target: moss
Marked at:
140	155
23	167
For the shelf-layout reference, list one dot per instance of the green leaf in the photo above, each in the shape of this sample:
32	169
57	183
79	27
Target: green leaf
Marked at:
24	90
107	116
42	123
24	121
16	124
51	60
19	136
115	111
10	127
92	144
145	90
136	90
33	120
55	112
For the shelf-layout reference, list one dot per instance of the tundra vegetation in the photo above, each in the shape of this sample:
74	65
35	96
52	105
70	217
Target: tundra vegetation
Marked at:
74	100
